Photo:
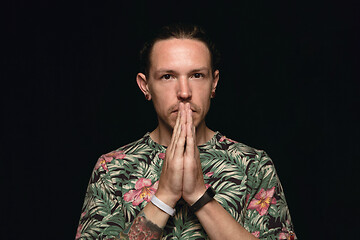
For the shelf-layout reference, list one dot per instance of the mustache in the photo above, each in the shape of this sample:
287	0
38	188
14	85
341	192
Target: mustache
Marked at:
175	107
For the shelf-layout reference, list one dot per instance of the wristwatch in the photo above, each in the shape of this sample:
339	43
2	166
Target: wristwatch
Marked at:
207	197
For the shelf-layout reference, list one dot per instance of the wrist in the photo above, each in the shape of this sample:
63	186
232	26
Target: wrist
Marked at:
168	199
163	206
156	215
203	200
191	199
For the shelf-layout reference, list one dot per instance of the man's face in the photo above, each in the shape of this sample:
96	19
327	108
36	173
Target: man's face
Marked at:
181	71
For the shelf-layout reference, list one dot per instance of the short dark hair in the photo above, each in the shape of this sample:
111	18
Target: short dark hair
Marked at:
179	31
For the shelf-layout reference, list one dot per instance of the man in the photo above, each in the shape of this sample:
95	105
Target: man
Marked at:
183	180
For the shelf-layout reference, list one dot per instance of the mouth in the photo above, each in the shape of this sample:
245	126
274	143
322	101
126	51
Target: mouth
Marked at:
176	109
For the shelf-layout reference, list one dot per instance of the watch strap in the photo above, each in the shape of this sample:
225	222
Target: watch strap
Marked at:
207	197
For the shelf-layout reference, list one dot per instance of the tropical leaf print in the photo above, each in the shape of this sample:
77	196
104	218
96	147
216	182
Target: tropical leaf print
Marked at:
244	179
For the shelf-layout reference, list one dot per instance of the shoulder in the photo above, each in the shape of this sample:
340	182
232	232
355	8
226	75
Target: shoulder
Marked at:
242	151
127	153
256	163
225	143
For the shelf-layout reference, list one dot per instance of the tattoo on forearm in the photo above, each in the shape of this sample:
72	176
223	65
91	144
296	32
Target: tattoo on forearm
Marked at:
141	228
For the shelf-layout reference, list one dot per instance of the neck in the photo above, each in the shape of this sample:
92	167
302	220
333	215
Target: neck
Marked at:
162	135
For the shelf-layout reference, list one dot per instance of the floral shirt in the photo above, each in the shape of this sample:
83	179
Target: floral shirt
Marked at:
244	178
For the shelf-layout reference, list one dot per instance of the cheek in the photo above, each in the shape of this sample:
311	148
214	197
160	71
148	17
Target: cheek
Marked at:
203	101
161	102
205	96
206	105
158	104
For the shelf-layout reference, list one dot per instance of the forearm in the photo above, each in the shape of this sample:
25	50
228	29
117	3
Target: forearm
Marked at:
155	215
148	224
219	224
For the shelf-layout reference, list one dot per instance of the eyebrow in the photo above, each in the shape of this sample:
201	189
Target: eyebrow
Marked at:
165	70
200	69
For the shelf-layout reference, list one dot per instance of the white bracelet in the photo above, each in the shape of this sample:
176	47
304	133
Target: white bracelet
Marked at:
163	206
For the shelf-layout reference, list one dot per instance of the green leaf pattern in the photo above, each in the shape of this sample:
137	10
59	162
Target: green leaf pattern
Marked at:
244	179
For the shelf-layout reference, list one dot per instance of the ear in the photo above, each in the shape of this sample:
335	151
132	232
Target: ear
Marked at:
143	85
215	81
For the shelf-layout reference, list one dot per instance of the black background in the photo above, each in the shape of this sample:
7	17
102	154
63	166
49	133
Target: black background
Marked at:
289	85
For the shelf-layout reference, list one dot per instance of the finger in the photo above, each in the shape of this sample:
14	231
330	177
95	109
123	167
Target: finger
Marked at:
179	129
181	120
190	141
176	129
194	136
193	131
170	149
180	141
196	150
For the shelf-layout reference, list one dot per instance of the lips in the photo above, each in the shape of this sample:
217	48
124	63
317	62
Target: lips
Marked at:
175	109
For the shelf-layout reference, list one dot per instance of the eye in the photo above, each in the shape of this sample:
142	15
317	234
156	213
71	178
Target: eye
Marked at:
166	77
198	75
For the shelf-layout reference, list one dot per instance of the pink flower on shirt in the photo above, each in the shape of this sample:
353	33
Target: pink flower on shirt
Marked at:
106	158
263	200
256	234
162	155
223	138
143	191
283	235
78	232
209	174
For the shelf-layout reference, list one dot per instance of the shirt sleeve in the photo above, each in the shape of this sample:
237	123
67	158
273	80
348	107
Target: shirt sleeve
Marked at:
101	216
267	213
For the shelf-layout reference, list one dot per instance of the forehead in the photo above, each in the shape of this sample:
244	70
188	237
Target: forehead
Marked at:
173	53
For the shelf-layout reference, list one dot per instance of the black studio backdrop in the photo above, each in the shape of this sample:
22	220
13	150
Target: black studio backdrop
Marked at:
288	85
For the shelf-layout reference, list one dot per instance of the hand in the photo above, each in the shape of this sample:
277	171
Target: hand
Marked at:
171	178
193	180
181	174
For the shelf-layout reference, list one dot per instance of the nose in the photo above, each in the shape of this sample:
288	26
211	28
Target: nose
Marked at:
184	90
